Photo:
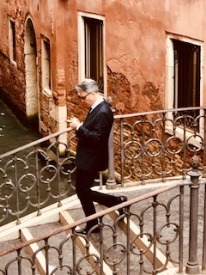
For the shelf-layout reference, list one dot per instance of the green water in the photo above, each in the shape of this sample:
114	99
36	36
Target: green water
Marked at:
12	133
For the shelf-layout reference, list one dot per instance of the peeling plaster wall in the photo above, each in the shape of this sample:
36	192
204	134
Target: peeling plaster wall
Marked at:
135	50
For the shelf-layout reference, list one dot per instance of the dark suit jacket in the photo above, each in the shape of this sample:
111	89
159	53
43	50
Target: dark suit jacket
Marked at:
93	135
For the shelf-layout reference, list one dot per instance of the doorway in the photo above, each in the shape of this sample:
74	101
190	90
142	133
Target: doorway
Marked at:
30	57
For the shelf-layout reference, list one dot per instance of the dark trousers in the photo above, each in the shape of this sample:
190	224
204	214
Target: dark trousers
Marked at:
87	197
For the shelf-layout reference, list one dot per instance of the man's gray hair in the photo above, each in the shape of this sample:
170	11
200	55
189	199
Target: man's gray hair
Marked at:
87	85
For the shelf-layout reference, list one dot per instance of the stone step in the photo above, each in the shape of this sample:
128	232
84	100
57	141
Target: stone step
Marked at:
53	217
31	249
66	219
141	242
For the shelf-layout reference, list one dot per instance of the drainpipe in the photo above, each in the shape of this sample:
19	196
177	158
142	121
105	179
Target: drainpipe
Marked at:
192	266
111	182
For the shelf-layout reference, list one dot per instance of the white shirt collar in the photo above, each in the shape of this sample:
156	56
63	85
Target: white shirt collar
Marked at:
96	103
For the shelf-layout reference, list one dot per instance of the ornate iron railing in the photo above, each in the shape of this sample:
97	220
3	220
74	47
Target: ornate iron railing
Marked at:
163	221
36	175
159	144
148	146
144	146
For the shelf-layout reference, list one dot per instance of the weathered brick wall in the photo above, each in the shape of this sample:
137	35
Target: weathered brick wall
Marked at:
135	50
48	122
12	78
130	97
12	82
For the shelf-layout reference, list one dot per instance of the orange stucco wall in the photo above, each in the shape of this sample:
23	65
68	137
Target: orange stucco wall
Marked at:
135	48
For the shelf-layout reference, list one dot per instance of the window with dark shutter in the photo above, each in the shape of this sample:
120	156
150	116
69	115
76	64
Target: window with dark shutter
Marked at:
186	75
93	30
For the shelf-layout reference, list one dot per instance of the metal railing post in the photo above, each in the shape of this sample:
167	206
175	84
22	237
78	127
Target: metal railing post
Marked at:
111	182
204	234
204	144
192	266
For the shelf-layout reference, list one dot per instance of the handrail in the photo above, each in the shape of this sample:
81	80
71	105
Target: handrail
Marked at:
146	146
154	231
143	146
97	215
170	134
34	143
159	111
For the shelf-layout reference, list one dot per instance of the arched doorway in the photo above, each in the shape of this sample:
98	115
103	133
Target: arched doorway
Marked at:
30	55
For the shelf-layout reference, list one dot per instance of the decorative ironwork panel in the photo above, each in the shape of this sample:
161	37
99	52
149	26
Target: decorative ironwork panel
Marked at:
34	176
159	145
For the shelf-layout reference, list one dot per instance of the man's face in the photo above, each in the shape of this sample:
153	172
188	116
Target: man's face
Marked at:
88	98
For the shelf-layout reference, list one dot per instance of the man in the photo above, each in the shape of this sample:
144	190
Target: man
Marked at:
92	150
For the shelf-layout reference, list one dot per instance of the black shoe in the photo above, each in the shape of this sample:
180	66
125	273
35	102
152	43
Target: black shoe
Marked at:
86	229
122	211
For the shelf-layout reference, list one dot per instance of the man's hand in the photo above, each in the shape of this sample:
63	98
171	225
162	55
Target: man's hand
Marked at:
74	123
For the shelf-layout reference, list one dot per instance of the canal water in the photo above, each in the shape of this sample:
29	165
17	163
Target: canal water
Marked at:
12	132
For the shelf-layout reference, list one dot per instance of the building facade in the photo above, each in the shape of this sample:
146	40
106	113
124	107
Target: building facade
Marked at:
145	55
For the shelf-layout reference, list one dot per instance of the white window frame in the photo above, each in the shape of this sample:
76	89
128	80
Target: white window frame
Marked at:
46	67
81	46
11	37
169	87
